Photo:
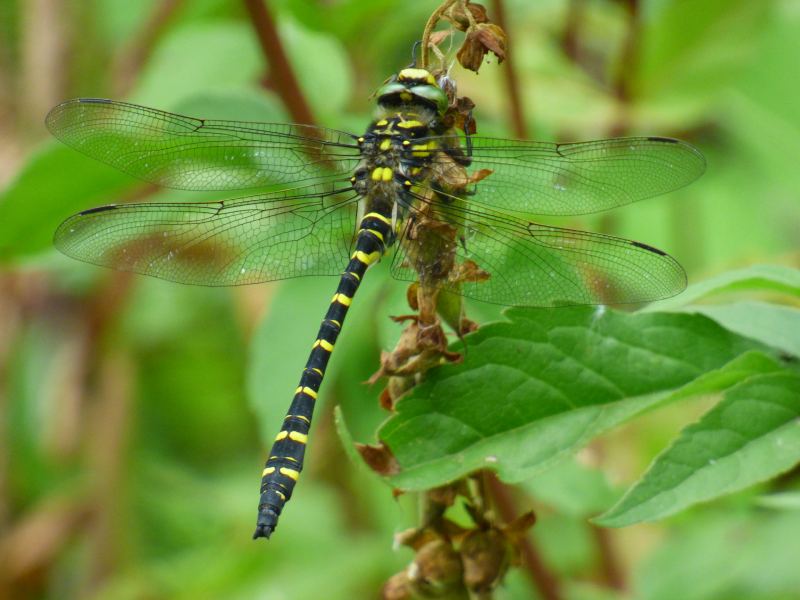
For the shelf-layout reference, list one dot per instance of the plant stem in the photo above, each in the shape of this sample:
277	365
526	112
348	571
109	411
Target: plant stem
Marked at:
512	83
613	575
429	26
545	582
281	77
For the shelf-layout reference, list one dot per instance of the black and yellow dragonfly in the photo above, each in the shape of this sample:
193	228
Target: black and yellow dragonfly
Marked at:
335	202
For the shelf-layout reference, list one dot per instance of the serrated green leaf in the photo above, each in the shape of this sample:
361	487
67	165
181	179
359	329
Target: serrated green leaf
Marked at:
545	383
750	436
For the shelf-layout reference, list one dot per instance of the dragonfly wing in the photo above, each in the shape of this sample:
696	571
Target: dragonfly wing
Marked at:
529	264
201	154
543	178
303	231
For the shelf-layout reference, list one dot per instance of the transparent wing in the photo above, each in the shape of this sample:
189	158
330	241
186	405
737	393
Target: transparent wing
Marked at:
303	231
200	154
529	264
579	178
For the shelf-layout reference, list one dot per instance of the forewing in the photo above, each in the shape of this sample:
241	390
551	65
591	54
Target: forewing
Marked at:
529	264
542	178
201	154
305	231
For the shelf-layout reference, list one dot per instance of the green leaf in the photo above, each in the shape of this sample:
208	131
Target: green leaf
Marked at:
55	183
200	58
778	326
725	556
573	489
325	83
534	389
750	436
695	49
758	278
280	348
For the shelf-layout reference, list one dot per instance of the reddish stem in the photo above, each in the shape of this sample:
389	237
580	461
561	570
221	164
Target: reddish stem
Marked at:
281	78
544	581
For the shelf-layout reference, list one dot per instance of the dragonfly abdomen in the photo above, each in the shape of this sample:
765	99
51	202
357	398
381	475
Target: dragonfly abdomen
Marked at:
285	462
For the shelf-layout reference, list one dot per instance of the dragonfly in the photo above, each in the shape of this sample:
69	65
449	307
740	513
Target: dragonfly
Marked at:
333	203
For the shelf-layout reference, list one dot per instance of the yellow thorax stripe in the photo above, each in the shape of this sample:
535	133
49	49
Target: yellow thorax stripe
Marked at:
382	174
410	124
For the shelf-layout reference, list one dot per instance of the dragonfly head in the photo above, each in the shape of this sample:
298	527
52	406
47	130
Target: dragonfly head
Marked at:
413	87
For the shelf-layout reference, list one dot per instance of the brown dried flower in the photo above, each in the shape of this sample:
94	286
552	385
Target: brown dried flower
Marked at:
480	40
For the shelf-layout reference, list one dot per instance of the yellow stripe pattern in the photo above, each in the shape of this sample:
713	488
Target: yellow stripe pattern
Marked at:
377	234
409	124
290	473
416	75
378	216
307	391
341	299
324	344
382	174
365	258
296	436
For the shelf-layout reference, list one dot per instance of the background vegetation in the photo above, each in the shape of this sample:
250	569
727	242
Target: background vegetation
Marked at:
135	413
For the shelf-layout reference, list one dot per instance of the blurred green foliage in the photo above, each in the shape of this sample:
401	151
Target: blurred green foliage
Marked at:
136	413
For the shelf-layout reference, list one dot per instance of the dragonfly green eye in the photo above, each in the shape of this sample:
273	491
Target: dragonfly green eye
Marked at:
413	91
433	94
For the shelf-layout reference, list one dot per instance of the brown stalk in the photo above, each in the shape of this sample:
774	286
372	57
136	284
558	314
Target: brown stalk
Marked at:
281	77
108	431
545	582
610	569
512	82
